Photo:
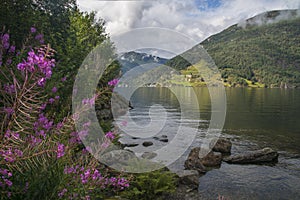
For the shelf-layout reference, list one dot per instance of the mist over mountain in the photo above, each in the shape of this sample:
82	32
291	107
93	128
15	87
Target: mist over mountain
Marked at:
262	51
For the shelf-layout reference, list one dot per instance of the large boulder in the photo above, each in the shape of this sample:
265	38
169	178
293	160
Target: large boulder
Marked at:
189	178
223	146
212	159
193	161
254	157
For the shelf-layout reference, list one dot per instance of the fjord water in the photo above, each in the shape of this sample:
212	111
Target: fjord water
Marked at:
255	118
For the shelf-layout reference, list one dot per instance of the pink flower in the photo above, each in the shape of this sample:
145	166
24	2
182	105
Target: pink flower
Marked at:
10	89
8	182
5	41
42	82
32	30
90	101
12	49
59	125
124	123
10	134
62	193
21	66
83	133
9	61
113	82
40	38
60	150
51	100
105	145
34	141
54	90
9	111
43	106
110	135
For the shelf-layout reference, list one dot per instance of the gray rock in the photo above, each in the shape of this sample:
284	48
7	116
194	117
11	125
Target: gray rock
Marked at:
125	143
149	155
212	159
129	145
188	177
223	145
254	157
147	144
193	161
117	157
164	140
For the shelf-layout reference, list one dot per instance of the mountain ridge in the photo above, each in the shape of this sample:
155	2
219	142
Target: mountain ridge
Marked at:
132	59
262	52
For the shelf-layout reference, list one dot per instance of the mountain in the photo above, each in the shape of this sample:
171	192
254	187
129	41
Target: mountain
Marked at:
263	51
133	59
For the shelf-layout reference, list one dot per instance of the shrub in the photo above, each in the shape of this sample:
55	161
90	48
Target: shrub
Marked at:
42	157
151	185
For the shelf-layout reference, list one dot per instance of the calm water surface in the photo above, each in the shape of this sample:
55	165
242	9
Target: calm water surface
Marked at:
255	118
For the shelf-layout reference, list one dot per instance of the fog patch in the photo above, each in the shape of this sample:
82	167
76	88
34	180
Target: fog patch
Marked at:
269	18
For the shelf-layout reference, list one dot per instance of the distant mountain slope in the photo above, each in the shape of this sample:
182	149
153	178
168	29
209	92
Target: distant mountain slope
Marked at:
263	49
133	59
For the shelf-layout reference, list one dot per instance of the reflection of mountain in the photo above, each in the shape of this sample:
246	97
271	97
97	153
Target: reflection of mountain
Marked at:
261	51
133	59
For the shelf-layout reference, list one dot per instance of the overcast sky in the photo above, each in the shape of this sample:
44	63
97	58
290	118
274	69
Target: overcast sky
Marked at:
196	18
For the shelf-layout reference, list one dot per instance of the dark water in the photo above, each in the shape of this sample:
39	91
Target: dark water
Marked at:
255	118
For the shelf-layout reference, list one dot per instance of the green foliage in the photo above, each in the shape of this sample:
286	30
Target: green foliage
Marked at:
72	33
50	17
151	185
39	184
85	33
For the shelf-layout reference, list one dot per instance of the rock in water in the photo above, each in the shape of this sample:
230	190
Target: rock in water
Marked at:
212	159
117	157
254	157
223	146
147	144
193	161
189	178
162	138
149	155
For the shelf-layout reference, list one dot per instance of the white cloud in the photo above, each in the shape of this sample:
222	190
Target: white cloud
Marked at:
180	15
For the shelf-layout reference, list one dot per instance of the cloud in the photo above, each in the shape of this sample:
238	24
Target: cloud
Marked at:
185	16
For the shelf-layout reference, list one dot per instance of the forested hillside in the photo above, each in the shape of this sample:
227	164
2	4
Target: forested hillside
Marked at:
263	51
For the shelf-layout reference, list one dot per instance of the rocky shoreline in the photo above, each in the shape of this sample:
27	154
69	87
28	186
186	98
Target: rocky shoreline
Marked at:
196	166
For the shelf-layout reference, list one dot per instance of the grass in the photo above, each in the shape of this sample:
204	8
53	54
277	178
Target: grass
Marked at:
255	85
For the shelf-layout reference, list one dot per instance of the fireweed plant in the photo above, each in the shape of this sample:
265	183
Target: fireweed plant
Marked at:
33	143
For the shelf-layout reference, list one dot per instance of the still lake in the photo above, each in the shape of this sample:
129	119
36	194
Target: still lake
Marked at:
255	118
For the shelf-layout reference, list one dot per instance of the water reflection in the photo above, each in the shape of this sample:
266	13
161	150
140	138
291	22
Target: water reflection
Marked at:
256	118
